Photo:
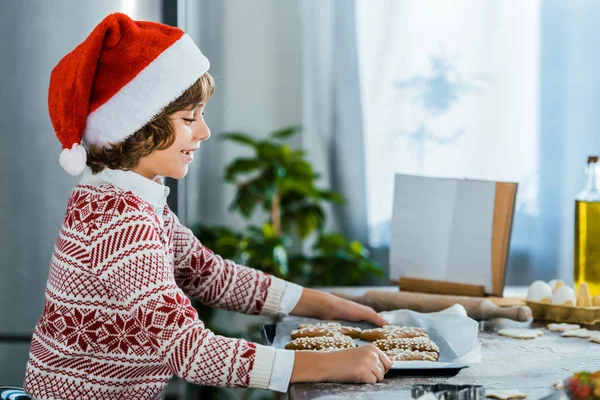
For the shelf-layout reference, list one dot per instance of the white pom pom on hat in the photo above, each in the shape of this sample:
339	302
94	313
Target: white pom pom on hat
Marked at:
73	160
90	104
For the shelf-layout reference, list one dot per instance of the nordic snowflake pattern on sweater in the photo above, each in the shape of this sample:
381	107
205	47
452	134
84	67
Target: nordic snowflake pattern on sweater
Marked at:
117	324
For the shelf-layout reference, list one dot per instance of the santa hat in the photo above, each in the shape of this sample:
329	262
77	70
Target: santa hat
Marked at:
116	81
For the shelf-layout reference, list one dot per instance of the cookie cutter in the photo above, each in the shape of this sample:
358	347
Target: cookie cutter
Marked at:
450	392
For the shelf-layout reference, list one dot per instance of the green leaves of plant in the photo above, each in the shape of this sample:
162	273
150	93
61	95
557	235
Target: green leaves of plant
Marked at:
285	133
279	180
306	218
332	196
241	166
269	152
237	137
339	262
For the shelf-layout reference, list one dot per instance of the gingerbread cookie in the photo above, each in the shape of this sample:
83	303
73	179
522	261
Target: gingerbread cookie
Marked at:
351	331
314	331
328	325
411	355
392	331
325	329
321	343
419	343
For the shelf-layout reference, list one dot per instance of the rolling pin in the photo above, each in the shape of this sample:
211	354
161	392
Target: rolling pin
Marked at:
478	308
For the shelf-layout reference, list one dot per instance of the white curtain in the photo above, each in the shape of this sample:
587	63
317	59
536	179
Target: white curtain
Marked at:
332	120
449	89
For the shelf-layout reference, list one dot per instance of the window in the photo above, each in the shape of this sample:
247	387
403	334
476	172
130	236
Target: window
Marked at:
449	89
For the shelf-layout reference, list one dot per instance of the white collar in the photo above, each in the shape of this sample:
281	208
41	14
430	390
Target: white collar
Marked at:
150	191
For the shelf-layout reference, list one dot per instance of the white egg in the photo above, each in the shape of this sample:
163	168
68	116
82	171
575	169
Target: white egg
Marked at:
538	291
553	283
557	283
563	295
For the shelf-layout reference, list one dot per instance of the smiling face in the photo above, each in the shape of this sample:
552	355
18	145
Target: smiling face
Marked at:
165	145
190	130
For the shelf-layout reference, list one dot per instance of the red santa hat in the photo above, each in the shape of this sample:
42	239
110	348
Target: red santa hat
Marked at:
119	78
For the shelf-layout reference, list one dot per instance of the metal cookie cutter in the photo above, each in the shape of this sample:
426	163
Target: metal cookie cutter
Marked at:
450	392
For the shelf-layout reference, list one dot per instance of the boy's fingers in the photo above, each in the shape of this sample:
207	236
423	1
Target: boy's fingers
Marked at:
385	360
374	317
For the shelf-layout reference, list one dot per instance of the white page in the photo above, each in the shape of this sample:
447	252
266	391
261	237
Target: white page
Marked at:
421	226
442	229
470	249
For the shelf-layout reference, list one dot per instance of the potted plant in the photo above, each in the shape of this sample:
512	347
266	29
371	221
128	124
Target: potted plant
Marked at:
280	181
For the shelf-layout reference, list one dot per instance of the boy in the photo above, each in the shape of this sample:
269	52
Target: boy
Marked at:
116	322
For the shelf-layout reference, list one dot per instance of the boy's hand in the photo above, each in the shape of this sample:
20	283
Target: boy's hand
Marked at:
321	305
366	364
346	310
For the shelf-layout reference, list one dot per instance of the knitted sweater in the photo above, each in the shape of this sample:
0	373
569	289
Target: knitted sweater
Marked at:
116	322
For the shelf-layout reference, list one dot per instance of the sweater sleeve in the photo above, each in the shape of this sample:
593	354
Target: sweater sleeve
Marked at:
222	283
130	258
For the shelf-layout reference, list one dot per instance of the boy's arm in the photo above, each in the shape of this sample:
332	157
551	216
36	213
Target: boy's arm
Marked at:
222	283
130	258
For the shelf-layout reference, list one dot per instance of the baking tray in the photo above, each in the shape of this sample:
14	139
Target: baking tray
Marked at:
561	313
269	333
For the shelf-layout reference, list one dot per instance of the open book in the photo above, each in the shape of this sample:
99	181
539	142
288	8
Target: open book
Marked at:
454	230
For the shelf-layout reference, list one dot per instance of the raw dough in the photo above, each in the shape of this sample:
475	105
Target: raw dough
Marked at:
580	333
559	385
505	394
595	337
520	333
562	327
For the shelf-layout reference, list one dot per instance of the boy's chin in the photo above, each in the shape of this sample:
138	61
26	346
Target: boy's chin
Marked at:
178	174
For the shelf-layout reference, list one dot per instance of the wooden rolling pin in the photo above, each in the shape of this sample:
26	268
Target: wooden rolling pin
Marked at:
478	308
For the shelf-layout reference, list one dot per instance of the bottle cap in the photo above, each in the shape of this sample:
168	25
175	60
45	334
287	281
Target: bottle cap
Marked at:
592	159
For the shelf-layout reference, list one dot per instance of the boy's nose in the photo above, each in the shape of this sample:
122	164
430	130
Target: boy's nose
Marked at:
203	133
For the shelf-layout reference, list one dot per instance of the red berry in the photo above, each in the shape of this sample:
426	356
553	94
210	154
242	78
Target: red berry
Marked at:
583	392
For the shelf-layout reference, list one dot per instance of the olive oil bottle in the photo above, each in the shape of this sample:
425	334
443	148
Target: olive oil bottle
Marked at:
587	231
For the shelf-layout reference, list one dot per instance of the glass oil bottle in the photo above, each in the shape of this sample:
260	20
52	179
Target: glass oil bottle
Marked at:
587	231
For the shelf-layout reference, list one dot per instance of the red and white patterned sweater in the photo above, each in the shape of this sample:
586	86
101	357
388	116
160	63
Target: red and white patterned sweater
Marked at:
116	322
